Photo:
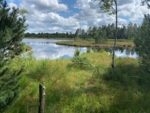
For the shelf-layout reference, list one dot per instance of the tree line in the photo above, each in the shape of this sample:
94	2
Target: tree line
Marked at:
100	34
50	35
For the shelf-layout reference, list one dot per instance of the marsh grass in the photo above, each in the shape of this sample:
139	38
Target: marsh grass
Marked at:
71	89
91	43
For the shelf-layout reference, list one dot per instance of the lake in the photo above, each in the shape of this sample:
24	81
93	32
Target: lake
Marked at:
48	49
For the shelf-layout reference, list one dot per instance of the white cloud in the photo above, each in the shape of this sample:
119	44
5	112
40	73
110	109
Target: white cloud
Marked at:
11	5
82	4
44	5
48	15
51	22
44	16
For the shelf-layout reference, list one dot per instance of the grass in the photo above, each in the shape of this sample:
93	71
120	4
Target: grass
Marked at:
74	89
91	43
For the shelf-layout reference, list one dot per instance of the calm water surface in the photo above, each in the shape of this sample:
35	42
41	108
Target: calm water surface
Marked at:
47	49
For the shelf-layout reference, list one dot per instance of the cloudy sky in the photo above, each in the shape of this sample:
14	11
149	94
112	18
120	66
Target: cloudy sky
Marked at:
68	15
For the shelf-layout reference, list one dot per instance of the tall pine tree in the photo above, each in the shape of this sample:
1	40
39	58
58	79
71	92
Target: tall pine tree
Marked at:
143	44
12	27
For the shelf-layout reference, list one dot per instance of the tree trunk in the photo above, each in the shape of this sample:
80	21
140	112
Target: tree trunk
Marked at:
115	39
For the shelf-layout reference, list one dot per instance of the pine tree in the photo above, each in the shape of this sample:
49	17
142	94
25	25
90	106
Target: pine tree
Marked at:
143	41
12	27
143	44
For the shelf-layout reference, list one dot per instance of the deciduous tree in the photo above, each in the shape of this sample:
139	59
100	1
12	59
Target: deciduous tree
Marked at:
107	6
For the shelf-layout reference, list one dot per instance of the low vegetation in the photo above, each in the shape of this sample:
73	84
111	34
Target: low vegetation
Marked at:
91	43
73	87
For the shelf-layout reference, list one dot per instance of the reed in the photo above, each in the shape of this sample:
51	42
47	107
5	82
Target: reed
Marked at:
80	90
91	43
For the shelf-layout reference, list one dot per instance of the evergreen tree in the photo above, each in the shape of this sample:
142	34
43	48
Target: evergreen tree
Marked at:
135	30
89	32
11	32
102	34
83	34
122	32
130	31
143	44
96	37
109	31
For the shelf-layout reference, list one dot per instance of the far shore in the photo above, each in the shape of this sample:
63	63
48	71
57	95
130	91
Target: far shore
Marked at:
91	43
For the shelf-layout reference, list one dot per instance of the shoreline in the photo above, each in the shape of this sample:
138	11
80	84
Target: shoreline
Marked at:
89	44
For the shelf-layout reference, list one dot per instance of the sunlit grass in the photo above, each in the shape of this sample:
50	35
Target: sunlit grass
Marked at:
70	89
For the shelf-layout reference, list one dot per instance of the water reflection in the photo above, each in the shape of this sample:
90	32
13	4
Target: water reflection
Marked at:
122	52
46	48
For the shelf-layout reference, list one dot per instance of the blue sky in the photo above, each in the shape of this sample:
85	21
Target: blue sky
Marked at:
68	15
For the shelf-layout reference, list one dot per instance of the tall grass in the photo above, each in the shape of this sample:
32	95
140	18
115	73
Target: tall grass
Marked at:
78	90
91	43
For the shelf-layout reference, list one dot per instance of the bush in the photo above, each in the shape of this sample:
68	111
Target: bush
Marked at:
77	52
82	63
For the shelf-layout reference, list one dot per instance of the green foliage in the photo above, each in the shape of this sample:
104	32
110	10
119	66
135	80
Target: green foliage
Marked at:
94	49
9	87
102	50
99	34
23	11
106	5
81	62
77	52
125	70
11	33
88	50
77	38
143	44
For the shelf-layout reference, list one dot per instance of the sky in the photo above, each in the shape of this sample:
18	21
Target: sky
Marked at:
50	16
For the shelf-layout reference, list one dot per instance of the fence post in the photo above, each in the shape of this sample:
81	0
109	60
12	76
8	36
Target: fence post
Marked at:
41	98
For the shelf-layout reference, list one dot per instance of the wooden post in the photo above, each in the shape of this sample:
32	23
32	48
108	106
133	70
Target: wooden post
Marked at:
41	98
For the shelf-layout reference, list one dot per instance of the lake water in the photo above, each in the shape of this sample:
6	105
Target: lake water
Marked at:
48	49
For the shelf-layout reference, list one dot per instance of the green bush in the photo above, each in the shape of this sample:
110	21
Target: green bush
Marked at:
77	52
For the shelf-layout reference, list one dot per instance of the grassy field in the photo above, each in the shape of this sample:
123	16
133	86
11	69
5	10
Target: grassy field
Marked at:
91	43
79	88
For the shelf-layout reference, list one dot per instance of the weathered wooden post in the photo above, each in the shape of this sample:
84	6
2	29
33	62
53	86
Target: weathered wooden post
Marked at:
41	98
